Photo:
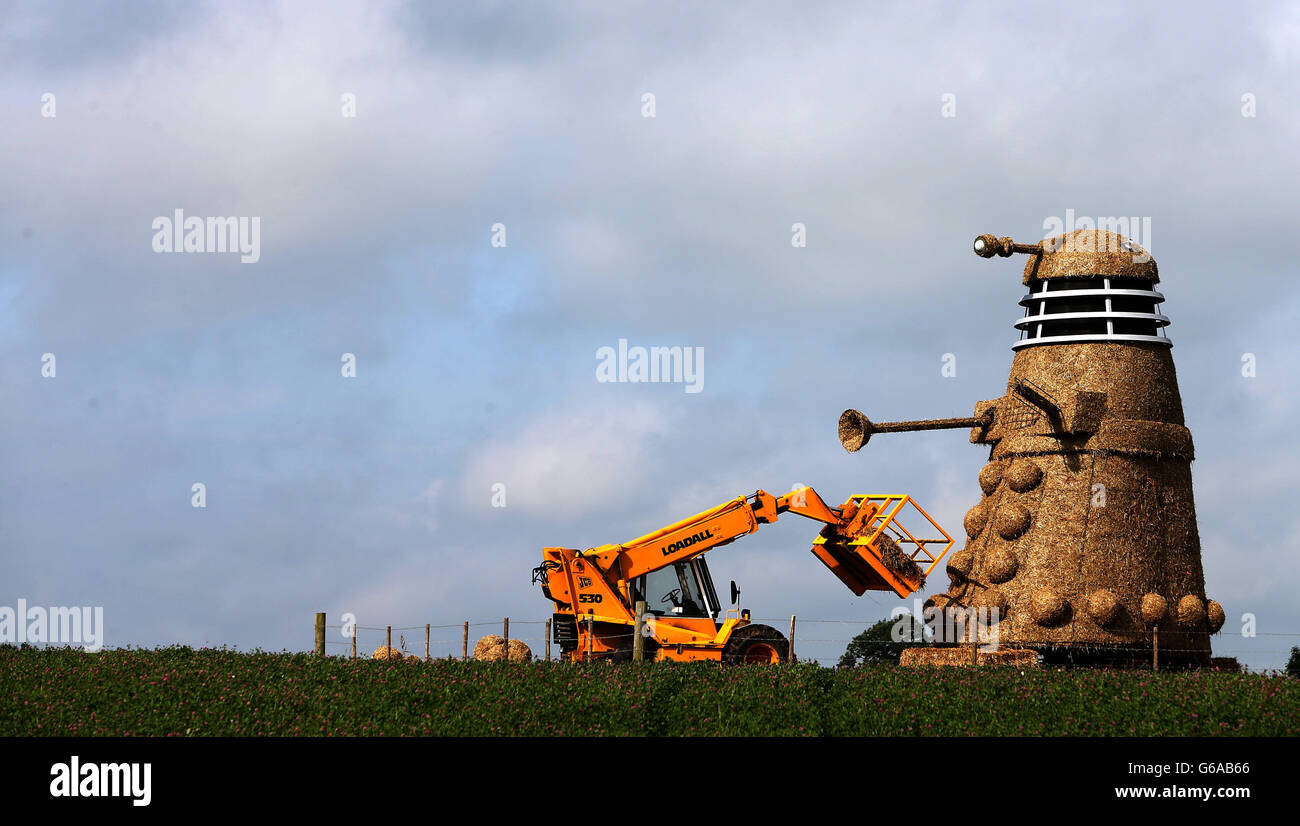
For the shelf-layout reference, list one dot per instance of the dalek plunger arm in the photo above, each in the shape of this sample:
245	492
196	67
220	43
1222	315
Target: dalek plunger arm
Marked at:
856	429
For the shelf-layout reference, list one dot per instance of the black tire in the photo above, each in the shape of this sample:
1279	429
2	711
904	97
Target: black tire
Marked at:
623	652
756	644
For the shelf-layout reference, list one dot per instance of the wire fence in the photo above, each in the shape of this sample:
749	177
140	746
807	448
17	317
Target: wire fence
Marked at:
539	637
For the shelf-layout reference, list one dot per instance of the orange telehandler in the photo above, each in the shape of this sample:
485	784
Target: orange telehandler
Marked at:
595	592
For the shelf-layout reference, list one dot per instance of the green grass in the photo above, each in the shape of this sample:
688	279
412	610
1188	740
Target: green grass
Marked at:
183	691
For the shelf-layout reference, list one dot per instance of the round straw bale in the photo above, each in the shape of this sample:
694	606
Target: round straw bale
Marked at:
975	519
489	648
1103	606
383	652
1024	475
520	652
990	476
492	649
1214	614
992	599
412	658
1048	607
954	612
959	565
1154	609
1191	611
1001	565
1011	521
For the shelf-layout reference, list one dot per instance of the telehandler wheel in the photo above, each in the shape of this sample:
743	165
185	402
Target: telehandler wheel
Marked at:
623	651
756	645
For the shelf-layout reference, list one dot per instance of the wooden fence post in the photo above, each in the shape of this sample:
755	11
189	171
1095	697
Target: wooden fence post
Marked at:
638	639
548	641
426	642
464	642
320	634
792	657
388	642
506	639
589	633
1155	648
354	641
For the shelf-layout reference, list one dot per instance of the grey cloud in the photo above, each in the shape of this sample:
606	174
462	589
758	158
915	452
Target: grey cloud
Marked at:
672	230
60	36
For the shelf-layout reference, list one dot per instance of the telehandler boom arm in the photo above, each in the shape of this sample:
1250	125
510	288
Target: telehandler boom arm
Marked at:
710	529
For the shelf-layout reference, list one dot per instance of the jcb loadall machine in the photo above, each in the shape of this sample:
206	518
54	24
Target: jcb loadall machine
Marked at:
595	591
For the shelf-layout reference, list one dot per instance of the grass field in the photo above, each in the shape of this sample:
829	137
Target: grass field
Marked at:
183	691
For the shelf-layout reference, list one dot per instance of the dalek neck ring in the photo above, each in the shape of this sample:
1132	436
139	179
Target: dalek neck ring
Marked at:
1092	308
1088	286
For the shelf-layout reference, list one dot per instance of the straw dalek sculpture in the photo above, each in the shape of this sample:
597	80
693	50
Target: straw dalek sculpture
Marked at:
1085	539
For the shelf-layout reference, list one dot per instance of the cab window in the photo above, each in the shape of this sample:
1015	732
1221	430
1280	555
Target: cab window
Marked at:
672	592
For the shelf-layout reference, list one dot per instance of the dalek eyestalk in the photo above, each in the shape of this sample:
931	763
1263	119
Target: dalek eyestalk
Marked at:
987	246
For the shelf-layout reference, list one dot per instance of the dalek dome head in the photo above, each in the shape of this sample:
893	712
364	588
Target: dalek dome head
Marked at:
1085	286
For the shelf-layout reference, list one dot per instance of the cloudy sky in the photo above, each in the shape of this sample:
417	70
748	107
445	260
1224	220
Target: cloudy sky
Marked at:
476	364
